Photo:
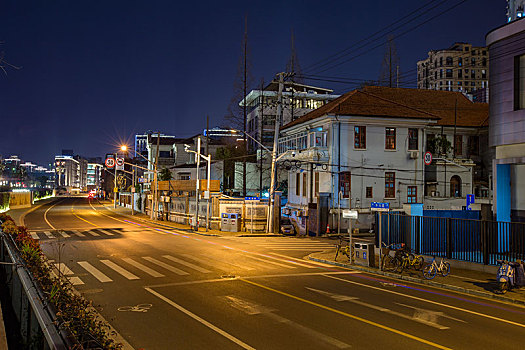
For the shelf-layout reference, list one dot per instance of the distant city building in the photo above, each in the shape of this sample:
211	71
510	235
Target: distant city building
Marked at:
515	9
71	171
141	142
462	67
298	99
94	175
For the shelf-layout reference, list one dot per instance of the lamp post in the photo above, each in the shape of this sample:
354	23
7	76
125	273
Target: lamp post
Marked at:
123	148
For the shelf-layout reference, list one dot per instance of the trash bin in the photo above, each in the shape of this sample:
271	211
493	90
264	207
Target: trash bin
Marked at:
235	222
364	254
225	222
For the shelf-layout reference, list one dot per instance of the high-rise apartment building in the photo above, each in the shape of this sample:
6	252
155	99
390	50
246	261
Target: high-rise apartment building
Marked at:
462	67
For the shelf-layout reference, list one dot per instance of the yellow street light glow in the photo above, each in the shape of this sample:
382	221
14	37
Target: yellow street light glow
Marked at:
124	148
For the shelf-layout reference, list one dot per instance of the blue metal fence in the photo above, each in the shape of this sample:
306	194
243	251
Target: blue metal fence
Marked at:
470	240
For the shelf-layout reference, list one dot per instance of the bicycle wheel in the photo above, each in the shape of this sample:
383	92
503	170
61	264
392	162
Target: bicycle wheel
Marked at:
418	264
429	272
337	252
386	262
398	264
411	259
446	269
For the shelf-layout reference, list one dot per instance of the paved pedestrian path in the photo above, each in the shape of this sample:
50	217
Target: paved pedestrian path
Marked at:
468	281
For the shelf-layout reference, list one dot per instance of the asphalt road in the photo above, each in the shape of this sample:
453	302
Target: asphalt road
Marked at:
169	289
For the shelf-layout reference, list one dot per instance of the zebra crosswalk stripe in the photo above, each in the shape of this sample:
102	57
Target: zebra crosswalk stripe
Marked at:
106	232
65	235
75	232
93	233
185	263
270	262
34	235
164	265
75	281
142	267
49	234
63	269
99	275
119	270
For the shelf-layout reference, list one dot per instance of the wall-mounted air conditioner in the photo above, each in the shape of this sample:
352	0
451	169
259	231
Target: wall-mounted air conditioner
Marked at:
414	154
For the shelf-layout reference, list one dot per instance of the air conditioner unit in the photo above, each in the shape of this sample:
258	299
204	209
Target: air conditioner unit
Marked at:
414	154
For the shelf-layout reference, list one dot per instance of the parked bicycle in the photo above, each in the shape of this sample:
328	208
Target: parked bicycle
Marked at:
430	271
344	247
389	262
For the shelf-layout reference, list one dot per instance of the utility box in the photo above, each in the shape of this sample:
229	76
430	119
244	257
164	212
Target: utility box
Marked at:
364	254
235	222
225	222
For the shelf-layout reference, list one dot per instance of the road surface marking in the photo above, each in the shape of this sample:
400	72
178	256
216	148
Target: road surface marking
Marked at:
292	261
49	234
78	233
429	301
75	281
185	263
166	266
34	235
89	222
99	275
63	269
342	313
142	267
426	317
201	320
251	308
92	233
270	262
106	232
212	261
45	215
119	270
63	234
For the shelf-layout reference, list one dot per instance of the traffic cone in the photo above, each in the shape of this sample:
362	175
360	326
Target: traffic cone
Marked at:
327	229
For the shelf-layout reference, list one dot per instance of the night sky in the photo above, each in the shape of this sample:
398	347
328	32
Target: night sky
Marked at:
94	73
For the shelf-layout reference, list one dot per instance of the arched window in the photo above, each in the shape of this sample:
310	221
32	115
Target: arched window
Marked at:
455	186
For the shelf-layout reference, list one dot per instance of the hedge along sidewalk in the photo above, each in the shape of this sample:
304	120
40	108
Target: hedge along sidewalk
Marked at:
457	281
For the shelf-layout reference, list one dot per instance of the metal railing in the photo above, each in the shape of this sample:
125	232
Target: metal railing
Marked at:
478	241
30	316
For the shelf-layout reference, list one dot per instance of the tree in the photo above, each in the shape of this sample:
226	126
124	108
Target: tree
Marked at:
230	154
42	180
4	64
390	65
439	145
165	175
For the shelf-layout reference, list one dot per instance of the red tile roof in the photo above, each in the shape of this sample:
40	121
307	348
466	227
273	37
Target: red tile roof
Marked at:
378	101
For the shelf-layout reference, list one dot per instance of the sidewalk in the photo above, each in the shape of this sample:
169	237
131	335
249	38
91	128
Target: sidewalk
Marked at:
467	281
170	224
468	278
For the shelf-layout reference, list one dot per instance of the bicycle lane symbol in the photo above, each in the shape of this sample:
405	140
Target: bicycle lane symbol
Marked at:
136	308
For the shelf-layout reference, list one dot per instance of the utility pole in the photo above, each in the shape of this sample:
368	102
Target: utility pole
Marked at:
115	183
274	151
133	191
260	138
244	107
209	171
155	181
197	187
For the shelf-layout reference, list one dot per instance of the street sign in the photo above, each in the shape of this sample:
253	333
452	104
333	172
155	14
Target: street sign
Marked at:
349	214
470	200
379	206
251	198
141	180
110	162
120	163
427	158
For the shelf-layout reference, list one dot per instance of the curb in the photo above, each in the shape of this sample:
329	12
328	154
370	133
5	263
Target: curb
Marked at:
423	281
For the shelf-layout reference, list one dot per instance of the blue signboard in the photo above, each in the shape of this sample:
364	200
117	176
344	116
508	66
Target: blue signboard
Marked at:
251	198
379	205
470	200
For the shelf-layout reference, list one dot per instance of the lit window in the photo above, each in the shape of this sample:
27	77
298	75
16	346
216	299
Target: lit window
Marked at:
390	138
390	185
412	194
359	137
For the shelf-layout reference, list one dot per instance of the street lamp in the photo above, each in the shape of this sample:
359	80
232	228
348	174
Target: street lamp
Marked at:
115	189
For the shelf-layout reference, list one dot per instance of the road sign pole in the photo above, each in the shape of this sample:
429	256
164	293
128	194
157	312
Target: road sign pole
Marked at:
115	185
